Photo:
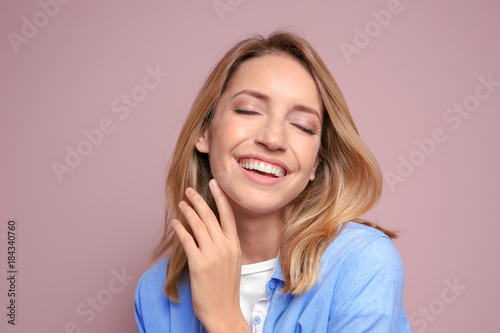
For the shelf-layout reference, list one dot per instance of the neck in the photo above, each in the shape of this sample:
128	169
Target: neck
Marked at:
259	236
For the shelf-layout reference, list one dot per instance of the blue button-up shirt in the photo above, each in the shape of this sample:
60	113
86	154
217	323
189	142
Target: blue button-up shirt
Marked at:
359	289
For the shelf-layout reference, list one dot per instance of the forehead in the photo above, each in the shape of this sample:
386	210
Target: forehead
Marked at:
279	76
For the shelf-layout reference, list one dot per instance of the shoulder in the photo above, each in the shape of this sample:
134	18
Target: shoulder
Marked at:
154	277
358	234
155	312
363	248
367	283
150	285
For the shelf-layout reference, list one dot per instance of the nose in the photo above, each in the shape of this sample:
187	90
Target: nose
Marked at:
272	134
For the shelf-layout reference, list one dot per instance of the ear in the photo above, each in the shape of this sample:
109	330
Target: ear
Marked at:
313	172
202	142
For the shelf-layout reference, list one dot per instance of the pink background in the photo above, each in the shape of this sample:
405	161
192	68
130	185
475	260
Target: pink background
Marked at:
105	216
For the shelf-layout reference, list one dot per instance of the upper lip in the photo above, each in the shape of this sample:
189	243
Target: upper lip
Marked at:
265	159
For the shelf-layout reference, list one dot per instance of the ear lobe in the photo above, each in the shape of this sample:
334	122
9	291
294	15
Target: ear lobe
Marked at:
311	178
202	144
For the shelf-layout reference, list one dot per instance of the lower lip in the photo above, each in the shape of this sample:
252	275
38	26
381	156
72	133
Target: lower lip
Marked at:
259	179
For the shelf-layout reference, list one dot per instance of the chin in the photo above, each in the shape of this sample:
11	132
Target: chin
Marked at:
261	206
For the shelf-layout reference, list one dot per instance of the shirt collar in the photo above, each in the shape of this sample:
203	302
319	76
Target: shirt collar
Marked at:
278	272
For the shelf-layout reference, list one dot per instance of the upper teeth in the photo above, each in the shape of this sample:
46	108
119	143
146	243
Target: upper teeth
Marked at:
251	164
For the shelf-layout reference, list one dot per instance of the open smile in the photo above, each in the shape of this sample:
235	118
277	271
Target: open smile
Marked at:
262	168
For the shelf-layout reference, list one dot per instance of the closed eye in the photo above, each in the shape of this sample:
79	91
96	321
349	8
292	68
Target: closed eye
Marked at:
306	130
239	111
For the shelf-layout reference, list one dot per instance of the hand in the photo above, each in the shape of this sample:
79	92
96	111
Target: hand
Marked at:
215	264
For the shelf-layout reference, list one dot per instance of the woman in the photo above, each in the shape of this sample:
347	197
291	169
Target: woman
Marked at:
266	185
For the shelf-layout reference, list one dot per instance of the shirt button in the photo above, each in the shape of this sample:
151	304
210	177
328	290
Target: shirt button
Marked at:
256	320
272	284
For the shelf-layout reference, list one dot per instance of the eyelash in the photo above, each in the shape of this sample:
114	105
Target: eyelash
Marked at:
239	111
309	131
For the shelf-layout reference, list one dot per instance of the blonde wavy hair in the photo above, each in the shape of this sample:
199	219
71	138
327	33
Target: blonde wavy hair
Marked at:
347	182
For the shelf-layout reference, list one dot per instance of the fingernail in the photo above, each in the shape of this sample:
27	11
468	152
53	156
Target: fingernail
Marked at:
190	191
174	222
183	204
214	183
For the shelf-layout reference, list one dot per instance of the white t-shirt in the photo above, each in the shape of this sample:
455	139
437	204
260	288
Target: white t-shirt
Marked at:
254	278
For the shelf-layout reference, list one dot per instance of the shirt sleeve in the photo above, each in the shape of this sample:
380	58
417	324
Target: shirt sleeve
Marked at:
368	296
137	308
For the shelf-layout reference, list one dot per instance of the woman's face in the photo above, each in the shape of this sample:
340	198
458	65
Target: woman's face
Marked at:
264	136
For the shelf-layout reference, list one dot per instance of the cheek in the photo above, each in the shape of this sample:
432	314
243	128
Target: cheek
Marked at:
306	152
231	129
223	172
224	139
242	130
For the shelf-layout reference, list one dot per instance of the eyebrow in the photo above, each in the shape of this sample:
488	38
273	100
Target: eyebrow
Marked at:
254	94
265	98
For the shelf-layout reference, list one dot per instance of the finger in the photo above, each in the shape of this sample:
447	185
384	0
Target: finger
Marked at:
186	240
205	213
225	211
197	225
